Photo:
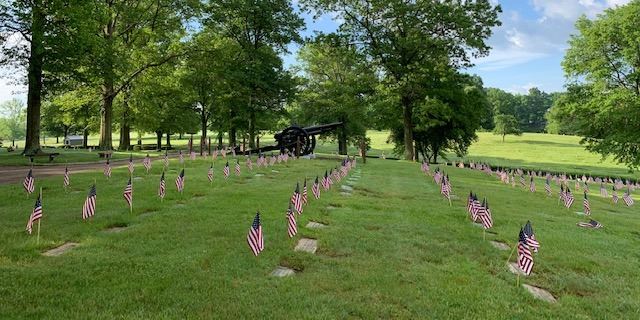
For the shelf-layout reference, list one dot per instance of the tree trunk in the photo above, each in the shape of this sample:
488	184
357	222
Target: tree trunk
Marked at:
252	129
57	140
108	92
34	76
204	118
168	140
503	137
220	137
342	141
407	109
125	127
85	137
232	136
159	140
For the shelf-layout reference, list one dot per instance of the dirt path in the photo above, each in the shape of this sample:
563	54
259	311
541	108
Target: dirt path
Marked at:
15	174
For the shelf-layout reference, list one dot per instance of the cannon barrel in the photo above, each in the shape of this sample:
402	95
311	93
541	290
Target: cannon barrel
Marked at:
323	128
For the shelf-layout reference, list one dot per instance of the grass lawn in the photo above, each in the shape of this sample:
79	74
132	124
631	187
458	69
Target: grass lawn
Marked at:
393	249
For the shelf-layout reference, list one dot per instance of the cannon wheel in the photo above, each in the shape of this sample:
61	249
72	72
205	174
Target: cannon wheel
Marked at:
289	140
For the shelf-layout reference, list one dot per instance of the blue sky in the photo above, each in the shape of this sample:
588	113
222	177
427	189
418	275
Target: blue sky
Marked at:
527	48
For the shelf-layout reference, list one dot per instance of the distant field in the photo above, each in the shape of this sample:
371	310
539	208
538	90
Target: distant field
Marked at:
392	249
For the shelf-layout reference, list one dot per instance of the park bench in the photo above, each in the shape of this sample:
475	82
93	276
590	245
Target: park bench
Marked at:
43	154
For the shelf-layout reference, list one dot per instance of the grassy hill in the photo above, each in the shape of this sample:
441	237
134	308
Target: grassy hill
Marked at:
394	248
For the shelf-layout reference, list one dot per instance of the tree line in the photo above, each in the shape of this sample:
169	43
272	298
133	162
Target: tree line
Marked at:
175	66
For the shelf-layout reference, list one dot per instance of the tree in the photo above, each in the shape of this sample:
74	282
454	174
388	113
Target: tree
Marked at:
131	38
262	29
506	124
338	86
75	111
159	104
446	120
45	38
414	42
604	56
12	115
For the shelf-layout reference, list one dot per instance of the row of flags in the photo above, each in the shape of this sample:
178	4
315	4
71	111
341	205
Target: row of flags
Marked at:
89	206
297	201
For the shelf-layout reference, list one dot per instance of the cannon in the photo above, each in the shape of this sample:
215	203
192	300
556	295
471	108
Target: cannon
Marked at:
301	141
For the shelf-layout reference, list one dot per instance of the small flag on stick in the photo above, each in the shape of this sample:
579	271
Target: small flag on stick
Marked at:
254	237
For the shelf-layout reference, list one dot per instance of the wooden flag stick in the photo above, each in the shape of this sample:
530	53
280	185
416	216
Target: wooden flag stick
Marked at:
131	205
484	234
512	251
449	201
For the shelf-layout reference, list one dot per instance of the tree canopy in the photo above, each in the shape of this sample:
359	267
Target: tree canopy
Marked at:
603	65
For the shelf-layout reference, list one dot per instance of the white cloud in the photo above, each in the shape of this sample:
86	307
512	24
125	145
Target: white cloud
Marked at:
523	89
523	38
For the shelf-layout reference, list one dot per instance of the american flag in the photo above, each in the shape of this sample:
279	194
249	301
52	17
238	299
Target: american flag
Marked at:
249	163
603	190
223	152
315	189
586	205
296	199
530	237
425	166
525	259
325	181
254	237
562	194
470	202
107	169
445	187
273	160
29	182
614	195
214	156
66	180
146	162
128	193
166	159
547	187
522	181
36	214
532	185
210	174
180	181
237	167
131	164
233	152
485	215
226	170
305	199
591	224
163	188
192	155
586	187
180	157
336	174
89	208
568	198
626	197
293	228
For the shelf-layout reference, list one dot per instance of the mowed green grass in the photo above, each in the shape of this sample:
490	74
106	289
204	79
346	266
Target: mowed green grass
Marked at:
393	249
